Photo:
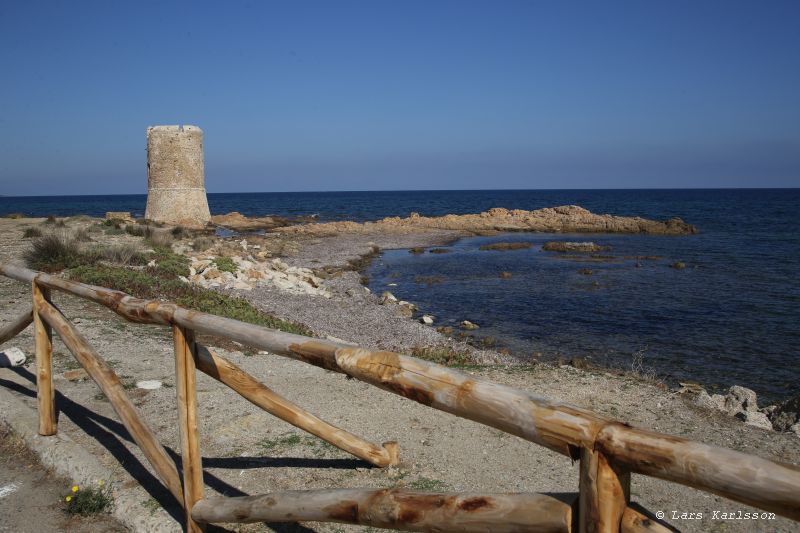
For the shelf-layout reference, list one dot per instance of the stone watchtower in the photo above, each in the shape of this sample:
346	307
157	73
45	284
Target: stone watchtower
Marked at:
176	192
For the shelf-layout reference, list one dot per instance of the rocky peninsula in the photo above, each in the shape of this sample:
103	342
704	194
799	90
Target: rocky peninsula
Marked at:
562	219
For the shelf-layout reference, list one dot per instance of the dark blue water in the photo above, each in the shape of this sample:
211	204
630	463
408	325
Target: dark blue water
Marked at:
732	316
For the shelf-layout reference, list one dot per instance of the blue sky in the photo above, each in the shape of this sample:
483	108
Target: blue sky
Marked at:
297	96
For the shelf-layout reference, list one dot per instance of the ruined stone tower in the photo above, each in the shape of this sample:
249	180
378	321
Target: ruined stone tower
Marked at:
176	192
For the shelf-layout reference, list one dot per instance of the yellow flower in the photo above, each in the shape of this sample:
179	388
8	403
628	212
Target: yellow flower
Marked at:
99	482
75	488
69	498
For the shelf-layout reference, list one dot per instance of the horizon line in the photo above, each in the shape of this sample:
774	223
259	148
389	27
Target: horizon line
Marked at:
427	190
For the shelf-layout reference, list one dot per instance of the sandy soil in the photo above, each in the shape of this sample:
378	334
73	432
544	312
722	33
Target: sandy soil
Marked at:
31	497
246	451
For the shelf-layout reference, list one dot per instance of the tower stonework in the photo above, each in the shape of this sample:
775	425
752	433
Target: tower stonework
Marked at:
176	192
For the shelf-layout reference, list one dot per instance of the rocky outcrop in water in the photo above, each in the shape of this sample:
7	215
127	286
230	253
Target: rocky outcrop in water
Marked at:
568	218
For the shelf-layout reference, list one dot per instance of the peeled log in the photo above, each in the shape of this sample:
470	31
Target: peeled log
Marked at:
746	478
396	509
16	326
257	393
110	384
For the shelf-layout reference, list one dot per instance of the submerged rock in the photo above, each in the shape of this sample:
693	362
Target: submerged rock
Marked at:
561	246
466	324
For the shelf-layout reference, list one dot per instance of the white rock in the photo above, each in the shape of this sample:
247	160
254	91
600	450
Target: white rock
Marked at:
149	384
12	356
466	324
755	418
242	286
243	244
388	298
152	263
426	319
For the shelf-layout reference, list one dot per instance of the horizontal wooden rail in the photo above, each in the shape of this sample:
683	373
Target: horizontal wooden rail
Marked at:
561	427
251	389
396	509
16	326
111	386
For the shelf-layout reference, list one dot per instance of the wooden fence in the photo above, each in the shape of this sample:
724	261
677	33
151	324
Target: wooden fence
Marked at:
608	450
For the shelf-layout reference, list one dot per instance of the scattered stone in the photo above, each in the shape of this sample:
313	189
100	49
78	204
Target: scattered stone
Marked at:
586	271
740	399
388	298
76	375
12	356
125	216
445	330
427	320
505	275
439	251
148	384
416	251
560	246
250	274
678	265
755	418
786	415
466	324
406	310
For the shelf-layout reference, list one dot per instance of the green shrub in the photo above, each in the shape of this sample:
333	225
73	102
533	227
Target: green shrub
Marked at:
114	231
14	215
53	252
87	501
170	264
121	254
156	284
138	231
30	233
178	232
225	264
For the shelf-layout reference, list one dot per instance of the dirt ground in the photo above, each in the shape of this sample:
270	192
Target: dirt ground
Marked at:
31	497
246	451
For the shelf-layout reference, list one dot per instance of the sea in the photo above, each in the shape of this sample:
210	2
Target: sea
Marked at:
731	316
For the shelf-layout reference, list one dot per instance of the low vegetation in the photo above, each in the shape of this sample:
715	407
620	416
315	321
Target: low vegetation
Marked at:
225	264
505	246
53	252
122	267
31	233
442	355
88	501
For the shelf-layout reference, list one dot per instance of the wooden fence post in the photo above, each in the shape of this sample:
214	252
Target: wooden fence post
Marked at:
45	393
186	380
604	494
